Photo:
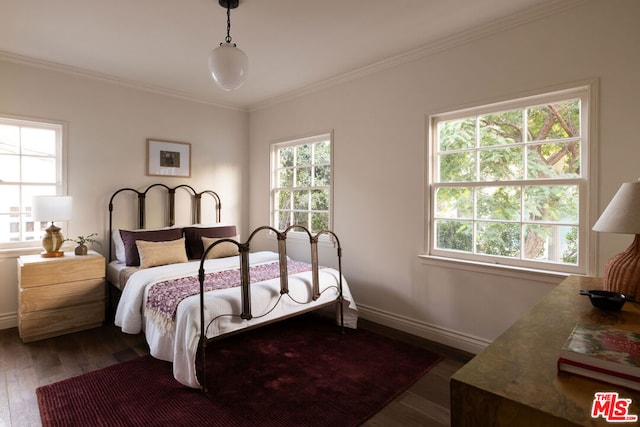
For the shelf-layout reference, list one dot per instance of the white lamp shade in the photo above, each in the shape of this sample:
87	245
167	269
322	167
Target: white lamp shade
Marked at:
623	213
228	66
52	208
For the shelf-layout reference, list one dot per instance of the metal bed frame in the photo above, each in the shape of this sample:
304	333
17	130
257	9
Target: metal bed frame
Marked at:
243	250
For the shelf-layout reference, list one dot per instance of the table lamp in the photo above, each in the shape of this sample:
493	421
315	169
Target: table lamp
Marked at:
52	208
622	215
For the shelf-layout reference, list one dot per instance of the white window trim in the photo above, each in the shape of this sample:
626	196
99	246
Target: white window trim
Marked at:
11	249
300	140
588	203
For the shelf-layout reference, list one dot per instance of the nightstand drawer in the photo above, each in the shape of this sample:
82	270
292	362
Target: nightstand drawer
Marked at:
61	295
37	271
48	323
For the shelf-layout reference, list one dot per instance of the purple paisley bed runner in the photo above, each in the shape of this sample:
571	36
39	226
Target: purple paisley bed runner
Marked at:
164	297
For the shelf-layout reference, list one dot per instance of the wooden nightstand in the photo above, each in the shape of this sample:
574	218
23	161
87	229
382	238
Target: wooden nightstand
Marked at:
60	295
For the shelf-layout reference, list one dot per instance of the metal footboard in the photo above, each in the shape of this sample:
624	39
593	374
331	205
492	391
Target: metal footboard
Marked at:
245	291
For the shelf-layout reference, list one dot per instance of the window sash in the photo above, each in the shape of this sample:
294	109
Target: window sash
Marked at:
580	182
17	229
306	186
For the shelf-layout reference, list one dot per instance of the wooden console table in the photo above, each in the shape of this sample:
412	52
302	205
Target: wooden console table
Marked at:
515	381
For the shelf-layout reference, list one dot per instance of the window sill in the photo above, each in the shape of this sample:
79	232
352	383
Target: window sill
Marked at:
495	269
19	251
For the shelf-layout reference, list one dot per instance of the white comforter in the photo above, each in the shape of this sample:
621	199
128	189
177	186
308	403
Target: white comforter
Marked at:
181	343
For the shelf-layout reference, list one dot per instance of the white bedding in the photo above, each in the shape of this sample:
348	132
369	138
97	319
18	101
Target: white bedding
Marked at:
114	271
180	345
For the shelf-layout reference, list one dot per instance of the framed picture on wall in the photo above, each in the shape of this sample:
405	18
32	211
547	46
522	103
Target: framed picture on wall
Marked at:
168	158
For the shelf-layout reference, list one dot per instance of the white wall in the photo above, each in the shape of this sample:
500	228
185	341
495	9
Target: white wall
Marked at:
107	129
379	123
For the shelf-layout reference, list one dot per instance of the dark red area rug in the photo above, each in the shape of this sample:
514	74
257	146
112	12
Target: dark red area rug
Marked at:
299	372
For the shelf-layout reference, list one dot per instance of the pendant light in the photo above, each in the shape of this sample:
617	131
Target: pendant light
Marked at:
227	63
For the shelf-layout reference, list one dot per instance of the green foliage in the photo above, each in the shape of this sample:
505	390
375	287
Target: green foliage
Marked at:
286	178
301	200
322	175
457	134
570	255
457	167
454	202
322	152
303	155
498	238
320	200
501	128
552	203
528	221
455	235
83	240
498	203
285	155
319	222
304	177
501	164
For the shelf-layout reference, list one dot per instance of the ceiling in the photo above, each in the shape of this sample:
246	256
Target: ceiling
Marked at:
292	45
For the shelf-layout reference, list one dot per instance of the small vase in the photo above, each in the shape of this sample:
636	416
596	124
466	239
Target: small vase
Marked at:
81	250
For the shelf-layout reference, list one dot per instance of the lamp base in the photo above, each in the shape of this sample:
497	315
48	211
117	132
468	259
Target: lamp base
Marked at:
622	272
51	254
51	242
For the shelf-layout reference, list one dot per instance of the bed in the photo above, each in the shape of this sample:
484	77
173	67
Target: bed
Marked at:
186	286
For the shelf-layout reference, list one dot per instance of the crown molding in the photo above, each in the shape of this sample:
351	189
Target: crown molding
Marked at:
108	78
541	11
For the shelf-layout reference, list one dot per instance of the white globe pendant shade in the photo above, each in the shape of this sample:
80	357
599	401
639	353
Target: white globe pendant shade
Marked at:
228	66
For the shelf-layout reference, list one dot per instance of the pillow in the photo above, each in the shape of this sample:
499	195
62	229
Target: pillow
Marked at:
221	250
132	258
194	236
118	245
161	253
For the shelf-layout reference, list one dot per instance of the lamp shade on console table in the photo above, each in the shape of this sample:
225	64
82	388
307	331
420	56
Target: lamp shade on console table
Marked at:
515	380
60	295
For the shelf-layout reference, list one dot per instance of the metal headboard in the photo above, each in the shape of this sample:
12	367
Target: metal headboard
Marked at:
196	208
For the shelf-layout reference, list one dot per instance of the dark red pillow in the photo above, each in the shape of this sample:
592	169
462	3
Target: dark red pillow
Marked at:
194	235
132	257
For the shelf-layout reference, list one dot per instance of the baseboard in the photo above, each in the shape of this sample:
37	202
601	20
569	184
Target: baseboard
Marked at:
424	330
9	320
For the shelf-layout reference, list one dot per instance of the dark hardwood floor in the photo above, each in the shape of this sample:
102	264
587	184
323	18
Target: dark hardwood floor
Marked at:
24	367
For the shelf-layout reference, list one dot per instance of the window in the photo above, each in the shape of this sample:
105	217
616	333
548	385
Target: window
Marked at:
509	183
30	164
301	183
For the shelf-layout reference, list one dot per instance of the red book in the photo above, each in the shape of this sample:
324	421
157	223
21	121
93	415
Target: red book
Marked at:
602	353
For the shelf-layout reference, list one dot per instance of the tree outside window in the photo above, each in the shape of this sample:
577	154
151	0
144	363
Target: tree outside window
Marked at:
506	183
301	183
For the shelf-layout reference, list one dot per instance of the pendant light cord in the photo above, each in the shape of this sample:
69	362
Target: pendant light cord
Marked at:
228	38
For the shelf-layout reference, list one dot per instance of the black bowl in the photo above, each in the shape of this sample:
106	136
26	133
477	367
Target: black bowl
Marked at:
606	300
